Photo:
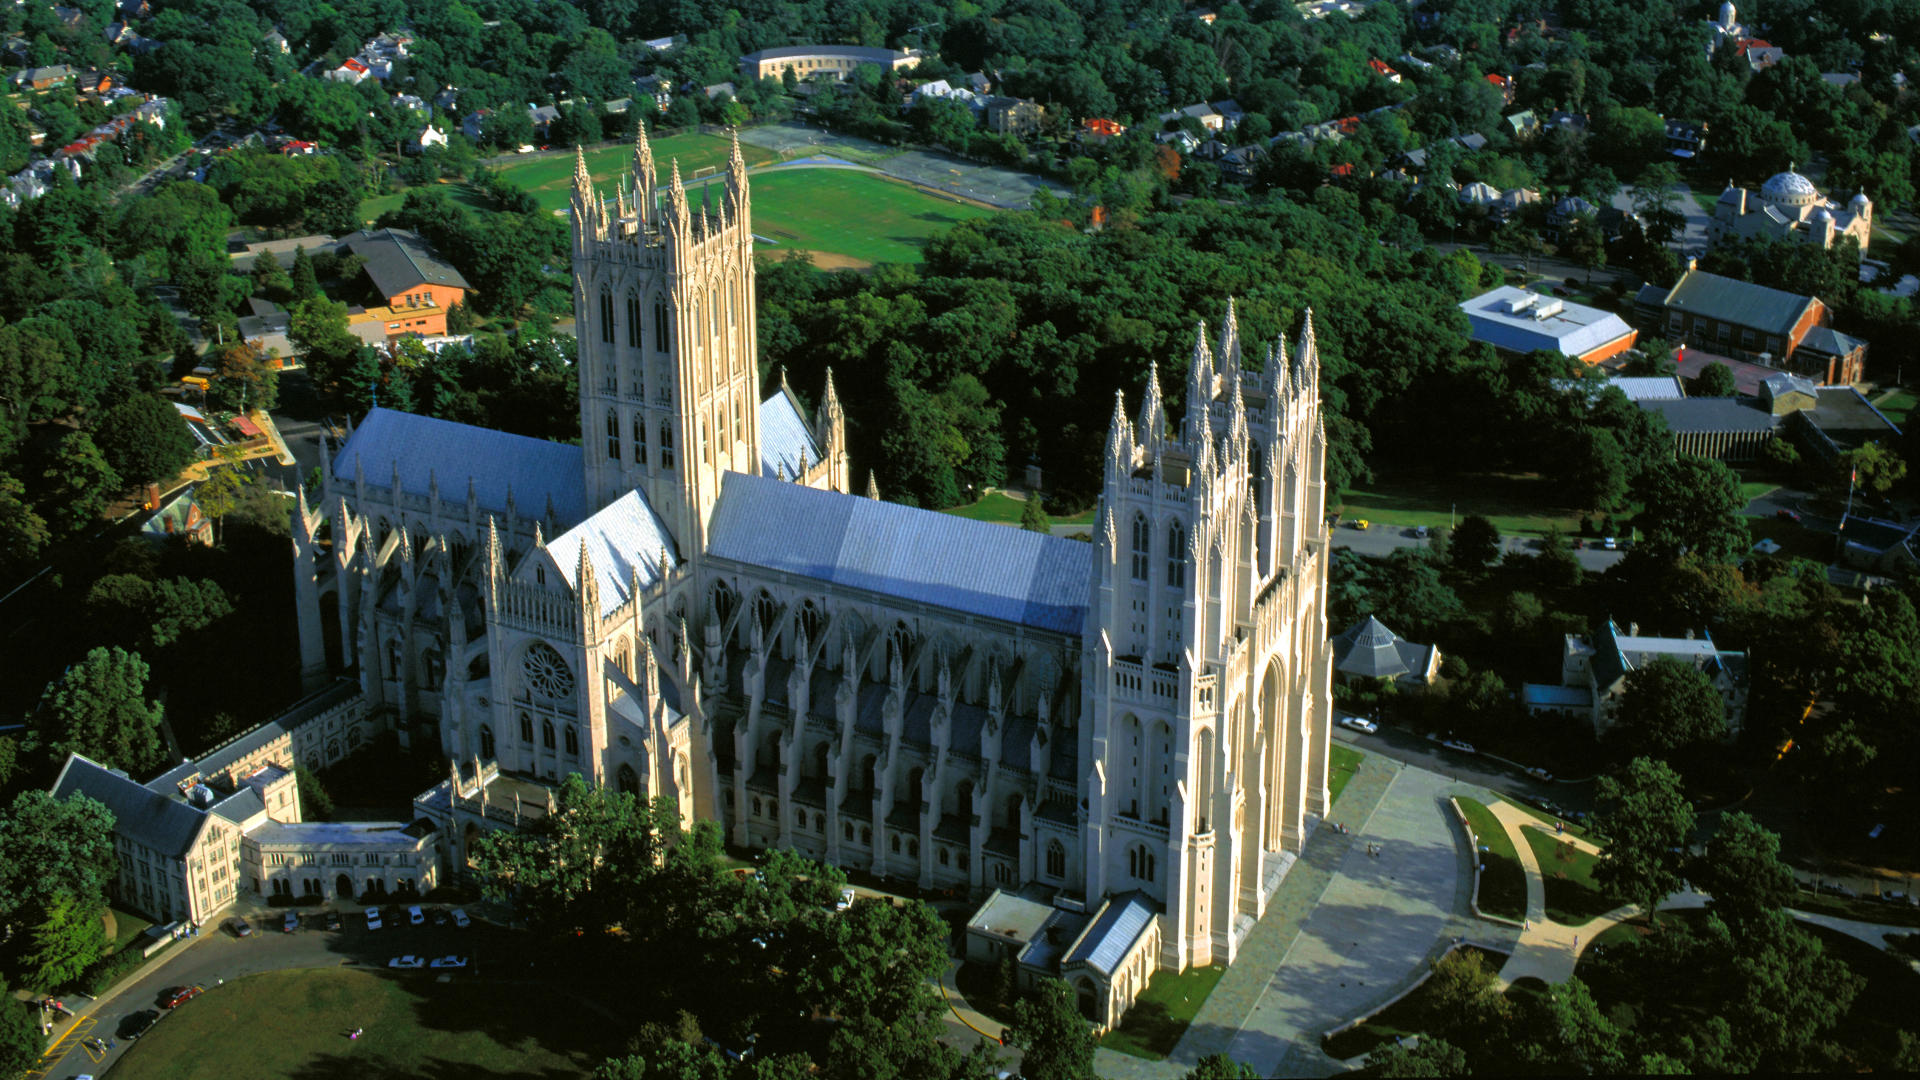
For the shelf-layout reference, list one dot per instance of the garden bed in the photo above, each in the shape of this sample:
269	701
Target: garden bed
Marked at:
1502	890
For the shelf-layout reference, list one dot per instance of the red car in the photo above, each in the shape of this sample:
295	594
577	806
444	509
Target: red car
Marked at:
178	996
1786	515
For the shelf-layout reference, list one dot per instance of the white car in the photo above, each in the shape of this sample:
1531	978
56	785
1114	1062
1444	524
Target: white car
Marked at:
460	918
373	918
449	962
1610	543
1360	724
845	901
1461	745
407	962
415	916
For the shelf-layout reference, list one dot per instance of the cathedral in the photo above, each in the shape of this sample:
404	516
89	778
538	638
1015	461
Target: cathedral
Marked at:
693	603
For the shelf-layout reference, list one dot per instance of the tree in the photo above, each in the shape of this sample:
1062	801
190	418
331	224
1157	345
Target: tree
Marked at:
1033	516
244	381
183	606
98	708
145	440
1427	1057
1787	994
23	533
1742	871
1056	1041
1475	543
306	285
315	803
52	846
226	484
1646	822
1715	380
1222	1067
1875	468
1564	1032
317	329
79	483
1690	504
1670	706
1582	242
20	1040
70	935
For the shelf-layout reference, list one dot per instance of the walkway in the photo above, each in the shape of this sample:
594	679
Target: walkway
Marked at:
1346	931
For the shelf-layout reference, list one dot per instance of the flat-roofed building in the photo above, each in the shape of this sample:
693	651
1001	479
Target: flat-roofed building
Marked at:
807	61
1519	321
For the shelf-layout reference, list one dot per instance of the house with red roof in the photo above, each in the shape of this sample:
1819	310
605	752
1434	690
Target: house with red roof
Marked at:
351	70
1504	84
1381	69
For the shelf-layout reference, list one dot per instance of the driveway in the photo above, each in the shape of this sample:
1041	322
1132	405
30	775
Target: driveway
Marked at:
1381	540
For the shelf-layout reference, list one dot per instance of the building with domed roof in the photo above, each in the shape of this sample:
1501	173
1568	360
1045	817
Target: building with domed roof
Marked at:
1789	207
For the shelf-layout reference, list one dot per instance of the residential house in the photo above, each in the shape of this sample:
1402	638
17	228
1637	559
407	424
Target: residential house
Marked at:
719	90
979	83
43	78
543	117
1512	201
1106	956
1735	318
1381	68
1517	322
417	284
1445	54
1600	664
1685	138
1203	113
1229	111
1479	194
351	70
655	88
1415	62
1881	547
428	136
410	102
1019	117
1504	84
1523	125
660	44
1565	212
1239	163
1570	121
474	123
617	107
1761	55
1186	142
446	98
274	41
1100	129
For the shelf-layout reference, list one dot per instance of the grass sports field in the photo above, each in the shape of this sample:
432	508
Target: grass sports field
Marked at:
848	218
550	176
294	1025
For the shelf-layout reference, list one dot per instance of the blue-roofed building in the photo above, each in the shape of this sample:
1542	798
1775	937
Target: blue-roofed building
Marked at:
697	603
1594	670
1518	321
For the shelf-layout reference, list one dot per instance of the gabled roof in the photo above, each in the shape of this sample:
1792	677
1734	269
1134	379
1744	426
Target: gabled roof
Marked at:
624	540
429	450
1724	415
902	552
1772	311
1831	342
1118	926
398	260
784	437
162	822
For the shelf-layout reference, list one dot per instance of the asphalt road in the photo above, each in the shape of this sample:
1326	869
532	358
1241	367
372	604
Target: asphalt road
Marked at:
1381	540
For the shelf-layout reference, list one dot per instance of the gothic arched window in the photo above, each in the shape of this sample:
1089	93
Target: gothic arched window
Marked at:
666	444
706	454
526	729
573	741
613	435
628	780
606	315
546	733
660	324
486	741
739	425
1142	541
639	440
1176	556
1056	859
633	320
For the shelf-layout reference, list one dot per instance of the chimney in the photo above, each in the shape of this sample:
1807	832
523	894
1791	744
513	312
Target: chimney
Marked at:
1692	263
1633	629
1689	633
153	496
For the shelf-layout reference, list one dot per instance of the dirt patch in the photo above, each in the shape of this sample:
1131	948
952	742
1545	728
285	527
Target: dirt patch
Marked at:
824	260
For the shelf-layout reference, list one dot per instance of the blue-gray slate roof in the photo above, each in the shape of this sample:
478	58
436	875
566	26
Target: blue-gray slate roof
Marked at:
165	823
625	540
902	552
1118	926
1711	415
449	454
784	438
1772	311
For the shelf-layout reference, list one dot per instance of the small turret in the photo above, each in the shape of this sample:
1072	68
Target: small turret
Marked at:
1199	384
587	587
1120	435
873	486
644	183
1152	427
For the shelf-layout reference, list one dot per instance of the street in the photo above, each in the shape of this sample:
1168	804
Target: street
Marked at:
1382	539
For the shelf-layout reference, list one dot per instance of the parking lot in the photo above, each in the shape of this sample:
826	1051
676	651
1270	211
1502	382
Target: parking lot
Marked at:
218	955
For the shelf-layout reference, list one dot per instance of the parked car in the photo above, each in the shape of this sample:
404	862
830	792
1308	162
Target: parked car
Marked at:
1461	745
1360	724
407	962
439	916
134	1025
449	961
239	927
1787	515
177	996
460	919
333	920
1362	524
415	916
373	918
291	923
1539	773
1610	543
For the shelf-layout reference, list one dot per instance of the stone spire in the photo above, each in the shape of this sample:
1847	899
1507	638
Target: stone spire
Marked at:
737	194
1119	434
1199	386
873	487
585	211
680	214
586	585
1309	356
1230	341
1153	411
1236	420
1276	376
644	183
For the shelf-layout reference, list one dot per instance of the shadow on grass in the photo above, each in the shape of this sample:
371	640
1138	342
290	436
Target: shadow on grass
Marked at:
345	1067
1158	1020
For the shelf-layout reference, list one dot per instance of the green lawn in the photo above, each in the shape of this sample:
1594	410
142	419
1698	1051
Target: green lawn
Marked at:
549	177
1408	1016
462	195
1796	540
126	927
1543	817
294	1025
1342	763
1503	883
1153	1026
1515	504
1863	909
1003	509
849	219
1573	897
1896	406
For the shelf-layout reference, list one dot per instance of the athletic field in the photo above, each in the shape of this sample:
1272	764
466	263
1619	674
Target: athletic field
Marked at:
849	219
550	176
